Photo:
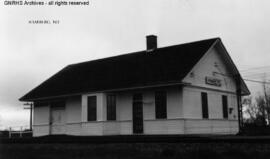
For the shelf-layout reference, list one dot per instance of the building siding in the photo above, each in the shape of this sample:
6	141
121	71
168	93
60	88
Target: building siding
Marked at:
123	107
183	115
184	107
211	65
193	105
41	115
207	67
174	103
73	110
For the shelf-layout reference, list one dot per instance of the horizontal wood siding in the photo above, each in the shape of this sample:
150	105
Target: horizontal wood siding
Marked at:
92	128
126	127
214	126
73	128
41	130
41	115
111	128
164	126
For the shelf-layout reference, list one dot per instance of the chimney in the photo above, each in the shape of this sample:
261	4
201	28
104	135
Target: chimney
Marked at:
151	42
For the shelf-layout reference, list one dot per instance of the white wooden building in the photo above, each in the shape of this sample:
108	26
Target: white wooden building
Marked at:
182	89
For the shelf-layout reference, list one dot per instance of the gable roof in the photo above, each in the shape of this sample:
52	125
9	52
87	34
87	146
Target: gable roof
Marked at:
160	66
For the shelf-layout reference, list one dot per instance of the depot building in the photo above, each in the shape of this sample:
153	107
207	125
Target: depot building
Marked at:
191	88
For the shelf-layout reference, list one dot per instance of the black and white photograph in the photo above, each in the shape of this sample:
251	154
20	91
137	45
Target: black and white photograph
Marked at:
128	79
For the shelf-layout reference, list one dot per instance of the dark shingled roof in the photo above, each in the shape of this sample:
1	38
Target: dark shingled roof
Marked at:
163	65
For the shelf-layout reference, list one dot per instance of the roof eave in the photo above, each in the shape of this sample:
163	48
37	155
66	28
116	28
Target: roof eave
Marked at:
235	70
25	99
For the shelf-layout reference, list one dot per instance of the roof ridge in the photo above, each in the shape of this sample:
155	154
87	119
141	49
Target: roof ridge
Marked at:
160	48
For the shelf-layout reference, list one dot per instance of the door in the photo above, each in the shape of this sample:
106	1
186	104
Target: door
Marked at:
137	108
58	120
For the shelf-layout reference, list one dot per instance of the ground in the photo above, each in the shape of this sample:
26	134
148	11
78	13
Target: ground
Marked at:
157	150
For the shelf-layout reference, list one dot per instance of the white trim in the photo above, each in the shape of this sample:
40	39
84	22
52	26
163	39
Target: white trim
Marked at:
210	89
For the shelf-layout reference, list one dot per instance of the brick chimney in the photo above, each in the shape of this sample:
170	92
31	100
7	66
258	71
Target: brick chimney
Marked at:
151	42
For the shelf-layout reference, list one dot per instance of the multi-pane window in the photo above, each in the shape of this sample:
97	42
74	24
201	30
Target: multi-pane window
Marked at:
204	105
161	104
225	106
92	108
111	107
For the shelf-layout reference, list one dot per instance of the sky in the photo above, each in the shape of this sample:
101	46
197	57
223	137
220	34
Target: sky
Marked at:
31	53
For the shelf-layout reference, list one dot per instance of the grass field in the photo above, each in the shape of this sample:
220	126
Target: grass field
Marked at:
215	150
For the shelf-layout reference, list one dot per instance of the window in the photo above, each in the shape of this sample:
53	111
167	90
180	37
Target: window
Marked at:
161	104
204	105
92	108
111	107
225	106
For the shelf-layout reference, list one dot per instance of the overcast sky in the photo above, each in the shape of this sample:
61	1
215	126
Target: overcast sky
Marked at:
31	53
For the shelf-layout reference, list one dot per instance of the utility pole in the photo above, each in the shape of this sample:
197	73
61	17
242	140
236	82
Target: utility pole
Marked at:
31	112
237	78
266	106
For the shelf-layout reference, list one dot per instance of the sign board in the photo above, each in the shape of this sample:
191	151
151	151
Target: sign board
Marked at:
213	81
